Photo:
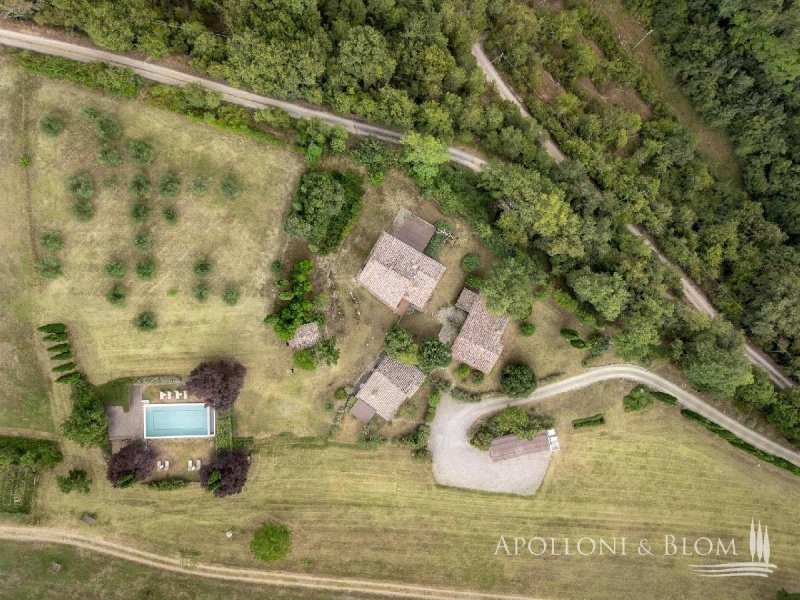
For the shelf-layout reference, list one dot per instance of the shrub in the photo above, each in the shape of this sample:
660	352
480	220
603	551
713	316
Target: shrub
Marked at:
200	185
463	371
134	462
116	295
113	80
170	214
400	345
598	344
512	420
417	440
227	473
145	321
83	210
463	395
276	267
80	186
87	424
115	269
271	542
56	337
470	263
142	241
51	125
140	187
51	241
77	481
52	328
304	359
230	186
517	380
230	295
639	398
433	354
570	335
63	347
202	266
200	291
527	329
477	377
109	155
62	356
141	152
49	268
29	452
64	367
473	282
146	269
169	186
217	383
443	232
592	421
173	483
107	128
24	161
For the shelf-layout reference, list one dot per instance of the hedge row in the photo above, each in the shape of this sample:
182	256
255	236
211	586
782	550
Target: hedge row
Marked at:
738	442
597	419
29	452
175	483
94	75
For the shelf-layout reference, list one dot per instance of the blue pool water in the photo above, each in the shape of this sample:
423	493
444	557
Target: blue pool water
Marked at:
177	420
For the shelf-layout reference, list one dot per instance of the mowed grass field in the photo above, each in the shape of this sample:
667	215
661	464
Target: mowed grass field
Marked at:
376	514
379	514
25	575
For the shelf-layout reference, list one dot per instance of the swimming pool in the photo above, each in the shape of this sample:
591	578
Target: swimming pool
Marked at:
180	420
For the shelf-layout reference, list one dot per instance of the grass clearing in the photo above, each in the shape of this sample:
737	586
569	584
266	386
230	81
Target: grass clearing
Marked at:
642	475
83	574
17	486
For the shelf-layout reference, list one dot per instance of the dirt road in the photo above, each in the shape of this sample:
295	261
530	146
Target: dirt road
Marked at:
691	291
455	461
369	588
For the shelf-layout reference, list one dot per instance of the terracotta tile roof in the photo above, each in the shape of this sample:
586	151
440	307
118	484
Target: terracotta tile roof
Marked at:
510	446
479	343
306	336
389	385
395	272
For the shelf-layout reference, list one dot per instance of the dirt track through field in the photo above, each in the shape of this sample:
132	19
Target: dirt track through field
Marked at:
367	587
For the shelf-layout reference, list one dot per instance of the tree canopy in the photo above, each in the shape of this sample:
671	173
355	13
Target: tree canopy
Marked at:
217	383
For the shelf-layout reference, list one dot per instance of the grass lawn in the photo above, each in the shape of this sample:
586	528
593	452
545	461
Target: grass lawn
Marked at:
380	514
26	576
24	392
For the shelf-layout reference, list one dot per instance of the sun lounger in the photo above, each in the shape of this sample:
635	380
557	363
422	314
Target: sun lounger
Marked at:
199	464
191	465
166	465
160	465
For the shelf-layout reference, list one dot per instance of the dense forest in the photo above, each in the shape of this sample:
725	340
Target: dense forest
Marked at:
407	63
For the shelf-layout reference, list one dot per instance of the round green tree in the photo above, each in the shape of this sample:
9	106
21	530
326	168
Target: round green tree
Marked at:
470	263
145	321
115	269
52	241
271	542
146	268
169	186
203	266
141	152
51	125
517	380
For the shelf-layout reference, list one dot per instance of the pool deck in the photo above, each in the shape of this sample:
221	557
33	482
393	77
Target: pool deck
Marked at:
127	425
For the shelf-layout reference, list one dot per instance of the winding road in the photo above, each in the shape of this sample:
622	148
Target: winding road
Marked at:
38	42
691	291
456	463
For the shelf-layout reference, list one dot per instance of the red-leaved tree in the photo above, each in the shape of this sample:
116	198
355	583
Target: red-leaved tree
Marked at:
134	462
217	383
227	473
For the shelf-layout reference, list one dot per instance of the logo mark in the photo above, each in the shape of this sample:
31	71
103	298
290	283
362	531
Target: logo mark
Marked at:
759	565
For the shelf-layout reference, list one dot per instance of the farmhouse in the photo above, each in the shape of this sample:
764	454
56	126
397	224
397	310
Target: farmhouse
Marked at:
479	343
397	272
388	386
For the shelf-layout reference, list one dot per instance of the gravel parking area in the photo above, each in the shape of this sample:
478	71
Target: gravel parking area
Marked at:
457	464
